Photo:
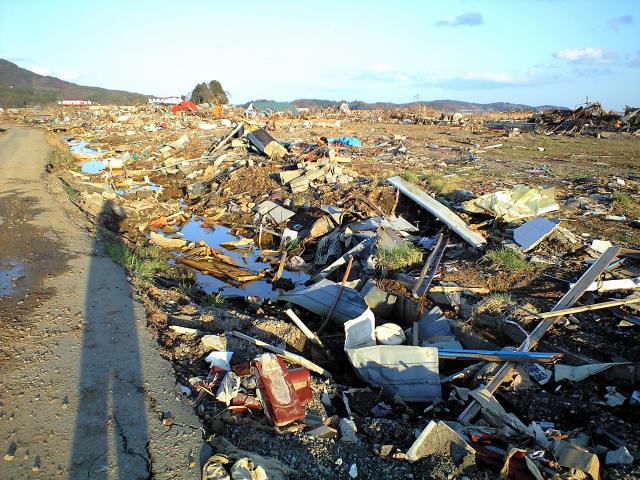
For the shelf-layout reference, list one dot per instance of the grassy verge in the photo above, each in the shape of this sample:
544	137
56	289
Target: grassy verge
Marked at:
397	257
59	154
60	157
141	263
510	260
73	194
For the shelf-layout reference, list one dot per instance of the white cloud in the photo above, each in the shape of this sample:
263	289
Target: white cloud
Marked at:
586	55
40	70
68	76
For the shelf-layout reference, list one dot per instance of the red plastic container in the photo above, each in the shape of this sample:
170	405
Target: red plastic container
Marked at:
282	402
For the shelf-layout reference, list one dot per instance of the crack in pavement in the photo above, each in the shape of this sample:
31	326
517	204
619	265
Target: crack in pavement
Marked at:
130	451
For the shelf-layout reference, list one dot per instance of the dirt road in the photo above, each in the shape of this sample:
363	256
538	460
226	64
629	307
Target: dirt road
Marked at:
83	387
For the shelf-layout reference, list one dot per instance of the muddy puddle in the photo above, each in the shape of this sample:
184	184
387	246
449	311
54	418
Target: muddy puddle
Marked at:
248	257
10	272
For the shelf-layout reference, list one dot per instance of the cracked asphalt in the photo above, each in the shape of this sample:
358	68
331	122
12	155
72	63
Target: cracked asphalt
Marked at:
84	387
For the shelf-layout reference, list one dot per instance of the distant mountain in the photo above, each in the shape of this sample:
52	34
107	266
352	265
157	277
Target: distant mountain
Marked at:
20	87
450	106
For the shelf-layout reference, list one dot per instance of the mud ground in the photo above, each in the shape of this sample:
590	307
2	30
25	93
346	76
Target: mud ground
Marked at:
83	389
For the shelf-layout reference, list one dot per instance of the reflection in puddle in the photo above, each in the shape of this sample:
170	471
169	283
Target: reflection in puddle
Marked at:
92	167
82	148
10	272
248	258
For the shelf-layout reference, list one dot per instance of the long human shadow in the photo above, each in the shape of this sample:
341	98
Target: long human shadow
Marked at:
111	436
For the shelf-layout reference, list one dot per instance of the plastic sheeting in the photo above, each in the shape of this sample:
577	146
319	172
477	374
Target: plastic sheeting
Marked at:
510	205
410	372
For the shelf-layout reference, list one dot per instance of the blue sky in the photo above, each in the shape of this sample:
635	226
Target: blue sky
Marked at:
523	51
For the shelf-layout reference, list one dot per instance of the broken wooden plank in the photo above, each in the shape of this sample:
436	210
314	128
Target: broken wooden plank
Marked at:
289	356
584	308
531	342
222	270
283	259
300	324
225	140
439	211
430	267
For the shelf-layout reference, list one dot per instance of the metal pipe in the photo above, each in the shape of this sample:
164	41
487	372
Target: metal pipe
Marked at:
499	356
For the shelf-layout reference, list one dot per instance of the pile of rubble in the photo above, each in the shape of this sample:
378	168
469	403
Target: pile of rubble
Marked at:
322	321
588	119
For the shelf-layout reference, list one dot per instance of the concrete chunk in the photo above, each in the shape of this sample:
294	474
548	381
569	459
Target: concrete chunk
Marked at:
439	439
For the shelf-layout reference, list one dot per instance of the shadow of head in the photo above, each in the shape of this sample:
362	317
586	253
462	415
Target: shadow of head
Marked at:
111	216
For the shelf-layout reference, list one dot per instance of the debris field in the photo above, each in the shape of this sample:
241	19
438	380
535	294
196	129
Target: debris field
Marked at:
379	294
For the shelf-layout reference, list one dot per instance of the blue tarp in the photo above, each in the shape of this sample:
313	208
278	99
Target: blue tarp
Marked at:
346	141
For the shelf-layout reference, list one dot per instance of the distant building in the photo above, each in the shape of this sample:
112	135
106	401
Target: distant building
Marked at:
74	102
165	100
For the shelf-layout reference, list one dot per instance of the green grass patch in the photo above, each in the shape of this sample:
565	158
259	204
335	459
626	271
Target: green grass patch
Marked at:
510	260
436	182
397	257
626	204
409	176
73	194
213	301
188	286
623	200
142	262
60	157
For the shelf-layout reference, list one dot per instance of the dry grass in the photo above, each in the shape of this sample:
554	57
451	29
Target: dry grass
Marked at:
59	155
503	304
